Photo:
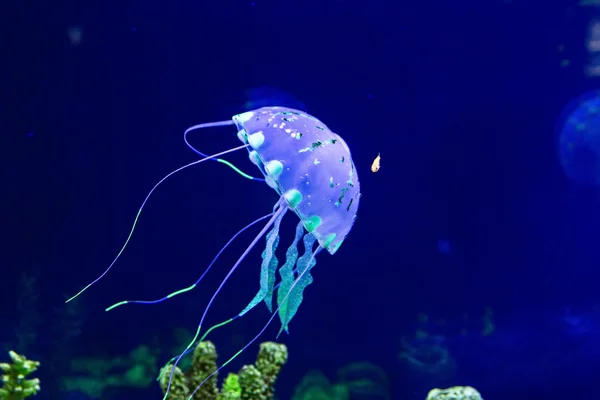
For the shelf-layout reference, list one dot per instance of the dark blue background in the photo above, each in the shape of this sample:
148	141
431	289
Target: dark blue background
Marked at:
460	98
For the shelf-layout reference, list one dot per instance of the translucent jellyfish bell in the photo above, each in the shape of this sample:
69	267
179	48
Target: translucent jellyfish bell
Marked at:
309	165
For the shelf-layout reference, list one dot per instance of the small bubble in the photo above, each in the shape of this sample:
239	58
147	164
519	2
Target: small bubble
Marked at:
75	35
444	246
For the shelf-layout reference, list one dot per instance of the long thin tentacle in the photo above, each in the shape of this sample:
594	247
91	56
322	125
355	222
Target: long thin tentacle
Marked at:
211	125
142	207
212	328
191	348
191	287
283	208
261	331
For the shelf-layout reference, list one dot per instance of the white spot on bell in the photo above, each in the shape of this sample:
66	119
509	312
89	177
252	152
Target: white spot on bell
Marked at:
245	117
256	140
253	156
274	168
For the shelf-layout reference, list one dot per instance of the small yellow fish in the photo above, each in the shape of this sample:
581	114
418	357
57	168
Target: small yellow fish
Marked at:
375	166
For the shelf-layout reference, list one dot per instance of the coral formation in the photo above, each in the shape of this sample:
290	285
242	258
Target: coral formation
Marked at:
94	376
427	360
15	386
253	382
454	393
316	386
359	380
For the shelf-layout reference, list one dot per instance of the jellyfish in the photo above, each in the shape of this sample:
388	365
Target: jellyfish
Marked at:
312	171
578	136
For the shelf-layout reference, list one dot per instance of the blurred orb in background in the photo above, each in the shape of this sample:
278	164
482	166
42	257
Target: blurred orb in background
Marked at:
579	139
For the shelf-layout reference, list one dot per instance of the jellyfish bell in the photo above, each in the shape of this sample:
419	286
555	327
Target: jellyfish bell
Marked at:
307	164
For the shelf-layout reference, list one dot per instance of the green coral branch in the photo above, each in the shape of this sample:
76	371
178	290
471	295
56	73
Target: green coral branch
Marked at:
15	386
253	382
